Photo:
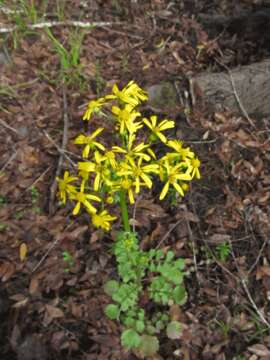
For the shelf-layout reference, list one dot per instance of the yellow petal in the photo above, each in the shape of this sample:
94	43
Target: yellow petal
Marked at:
76	209
178	189
23	251
164	191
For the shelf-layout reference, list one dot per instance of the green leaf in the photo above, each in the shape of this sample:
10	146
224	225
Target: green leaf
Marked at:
169	256
149	345
111	287
129	322
179	295
180	264
151	330
112	311
174	330
130	339
140	326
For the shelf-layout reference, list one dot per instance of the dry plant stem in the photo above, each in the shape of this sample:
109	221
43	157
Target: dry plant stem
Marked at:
61	151
236	94
38	179
134	213
61	157
50	24
168	233
193	247
3	123
12	157
246	289
46	254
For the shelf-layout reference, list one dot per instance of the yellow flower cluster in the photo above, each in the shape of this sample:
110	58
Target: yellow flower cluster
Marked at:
131	164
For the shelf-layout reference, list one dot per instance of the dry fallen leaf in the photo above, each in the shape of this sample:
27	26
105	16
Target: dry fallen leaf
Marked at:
54	312
259	350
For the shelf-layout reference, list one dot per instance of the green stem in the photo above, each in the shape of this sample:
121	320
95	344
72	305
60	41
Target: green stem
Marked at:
124	210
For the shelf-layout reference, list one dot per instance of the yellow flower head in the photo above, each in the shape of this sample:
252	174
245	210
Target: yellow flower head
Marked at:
99	167
138	172
125	119
93	106
133	152
83	199
89	142
103	220
195	164
174	174
158	128
65	187
131	94
179	150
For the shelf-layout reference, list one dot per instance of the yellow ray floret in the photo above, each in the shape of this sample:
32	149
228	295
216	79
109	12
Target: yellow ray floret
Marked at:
125	119
83	199
93	106
138	172
103	220
65	187
131	94
89	142
175	174
157	129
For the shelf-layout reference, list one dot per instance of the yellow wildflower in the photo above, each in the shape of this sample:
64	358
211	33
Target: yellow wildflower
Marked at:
99	168
179	150
89	142
131	94
137	171
126	184
65	187
125	119
93	106
195	164
103	220
83	199
110	157
174	175
137	151
158	128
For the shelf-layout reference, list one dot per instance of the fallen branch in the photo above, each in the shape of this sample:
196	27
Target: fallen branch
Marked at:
50	24
61	157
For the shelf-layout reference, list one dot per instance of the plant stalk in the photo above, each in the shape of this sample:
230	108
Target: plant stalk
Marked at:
124	210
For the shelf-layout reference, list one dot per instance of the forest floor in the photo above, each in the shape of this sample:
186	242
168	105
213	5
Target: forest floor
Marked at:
53	310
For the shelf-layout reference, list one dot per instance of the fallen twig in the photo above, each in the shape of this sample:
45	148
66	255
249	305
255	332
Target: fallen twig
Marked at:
58	238
12	157
168	233
50	24
236	93
3	123
61	157
246	289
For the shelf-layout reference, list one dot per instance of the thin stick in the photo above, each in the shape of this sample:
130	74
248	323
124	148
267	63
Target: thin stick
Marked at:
236	94
245	287
61	151
50	24
3	123
46	254
9	161
39	178
61	157
168	233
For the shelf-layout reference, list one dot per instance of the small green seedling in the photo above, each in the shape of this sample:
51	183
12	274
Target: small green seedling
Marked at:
68	260
223	251
3	227
34	195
